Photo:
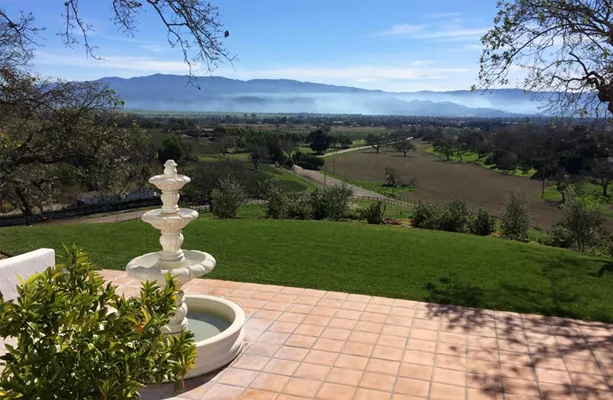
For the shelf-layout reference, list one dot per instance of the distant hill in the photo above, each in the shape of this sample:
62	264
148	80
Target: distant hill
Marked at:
218	94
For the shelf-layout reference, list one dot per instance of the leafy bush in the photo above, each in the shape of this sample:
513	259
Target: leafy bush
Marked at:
515	221
288	205
482	224
309	161
426	216
454	217
580	225
71	346
226	200
374	213
489	160
331	203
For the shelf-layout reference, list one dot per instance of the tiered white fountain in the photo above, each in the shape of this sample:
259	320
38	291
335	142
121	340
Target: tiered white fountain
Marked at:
217	324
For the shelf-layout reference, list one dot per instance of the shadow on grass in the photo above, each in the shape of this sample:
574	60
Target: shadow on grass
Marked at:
605	269
524	341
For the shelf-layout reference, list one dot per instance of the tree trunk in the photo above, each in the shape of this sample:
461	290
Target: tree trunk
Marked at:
563	196
543	188
605	187
405	153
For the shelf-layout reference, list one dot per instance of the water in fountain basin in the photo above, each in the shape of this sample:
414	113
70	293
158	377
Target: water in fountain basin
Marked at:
205	325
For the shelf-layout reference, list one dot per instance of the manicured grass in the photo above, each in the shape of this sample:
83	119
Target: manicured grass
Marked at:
474	158
219	157
592	194
359	258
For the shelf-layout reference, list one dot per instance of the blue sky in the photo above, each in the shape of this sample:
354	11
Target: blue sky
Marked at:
395	45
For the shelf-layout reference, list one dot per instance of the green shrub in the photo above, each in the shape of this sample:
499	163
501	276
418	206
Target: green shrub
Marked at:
309	161
515	221
288	205
226	199
331	203
374	213
454	217
580	225
482	224
425	216
71	346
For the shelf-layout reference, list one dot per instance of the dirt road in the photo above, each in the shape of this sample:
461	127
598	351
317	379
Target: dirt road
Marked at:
318	178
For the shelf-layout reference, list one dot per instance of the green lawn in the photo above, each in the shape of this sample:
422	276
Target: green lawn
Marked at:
474	158
359	258
376	187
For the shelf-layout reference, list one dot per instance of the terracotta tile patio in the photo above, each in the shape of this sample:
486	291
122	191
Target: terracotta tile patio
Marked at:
305	343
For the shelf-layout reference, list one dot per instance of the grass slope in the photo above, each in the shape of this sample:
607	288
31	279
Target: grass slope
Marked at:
359	258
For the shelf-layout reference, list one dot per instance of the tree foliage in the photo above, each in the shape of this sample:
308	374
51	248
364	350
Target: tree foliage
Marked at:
564	46
53	132
71	345
319	141
404	146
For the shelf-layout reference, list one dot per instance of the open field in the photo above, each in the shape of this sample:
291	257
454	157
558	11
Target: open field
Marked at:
440	181
356	257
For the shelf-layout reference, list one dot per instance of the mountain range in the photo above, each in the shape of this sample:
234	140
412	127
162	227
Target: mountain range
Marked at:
218	94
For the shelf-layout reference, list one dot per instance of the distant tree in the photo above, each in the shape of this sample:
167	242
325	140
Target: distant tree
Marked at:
563	182
461	149
445	146
289	144
392	179
375	141
225	143
565	47
601	173
257	155
173	148
404	146
319	141
344	141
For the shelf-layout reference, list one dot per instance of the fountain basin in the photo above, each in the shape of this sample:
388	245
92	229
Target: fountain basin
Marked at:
148	267
207	315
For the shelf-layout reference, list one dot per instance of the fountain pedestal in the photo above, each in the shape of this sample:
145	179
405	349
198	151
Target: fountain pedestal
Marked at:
213	350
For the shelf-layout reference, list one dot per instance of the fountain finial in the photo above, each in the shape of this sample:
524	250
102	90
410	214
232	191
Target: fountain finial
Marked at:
170	169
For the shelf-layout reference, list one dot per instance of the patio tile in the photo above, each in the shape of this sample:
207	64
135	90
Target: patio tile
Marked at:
367	394
271	382
441	391
312	371
312	344
333	391
291	353
321	357
351	362
329	345
254	394
301	341
343	323
449	376
282	367
364	337
412	387
387	353
382	382
302	387
345	376
357	349
309	330
223	392
418	357
383	366
415	371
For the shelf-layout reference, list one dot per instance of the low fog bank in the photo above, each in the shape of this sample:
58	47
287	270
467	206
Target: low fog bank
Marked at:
462	103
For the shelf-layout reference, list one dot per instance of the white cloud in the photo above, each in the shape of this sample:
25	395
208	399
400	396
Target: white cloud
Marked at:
403	30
